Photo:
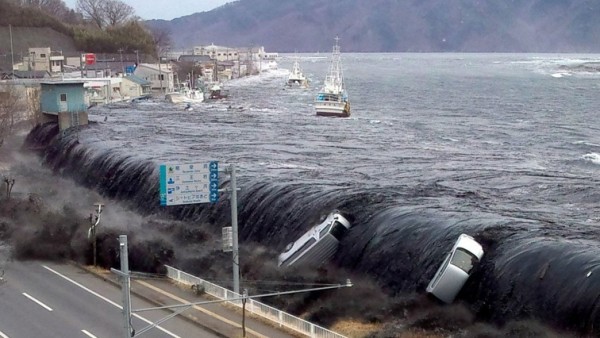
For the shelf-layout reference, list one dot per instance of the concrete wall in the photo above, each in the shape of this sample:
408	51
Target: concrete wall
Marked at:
67	120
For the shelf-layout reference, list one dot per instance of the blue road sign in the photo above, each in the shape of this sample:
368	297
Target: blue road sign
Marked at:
189	183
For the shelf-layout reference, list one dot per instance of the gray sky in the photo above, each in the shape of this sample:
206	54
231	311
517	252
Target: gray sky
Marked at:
166	9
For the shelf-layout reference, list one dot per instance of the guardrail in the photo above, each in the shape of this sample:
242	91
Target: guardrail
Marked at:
279	317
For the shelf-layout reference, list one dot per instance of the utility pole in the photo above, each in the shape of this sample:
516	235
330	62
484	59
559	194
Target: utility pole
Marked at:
12	55
234	231
160	76
125	287
245	295
122	66
137	57
94	220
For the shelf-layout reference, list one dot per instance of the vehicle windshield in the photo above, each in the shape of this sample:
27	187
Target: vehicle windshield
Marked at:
464	260
338	230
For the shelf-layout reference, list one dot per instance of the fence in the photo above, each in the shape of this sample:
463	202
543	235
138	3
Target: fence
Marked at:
268	312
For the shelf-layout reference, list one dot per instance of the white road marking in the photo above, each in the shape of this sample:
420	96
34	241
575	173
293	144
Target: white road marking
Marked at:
38	302
2	335
88	334
108	300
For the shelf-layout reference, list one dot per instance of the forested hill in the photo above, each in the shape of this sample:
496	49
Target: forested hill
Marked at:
396	25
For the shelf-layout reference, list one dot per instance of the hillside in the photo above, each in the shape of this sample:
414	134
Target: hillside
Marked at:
26	37
395	25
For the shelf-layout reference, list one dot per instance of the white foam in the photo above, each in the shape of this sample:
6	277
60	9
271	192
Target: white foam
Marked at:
592	157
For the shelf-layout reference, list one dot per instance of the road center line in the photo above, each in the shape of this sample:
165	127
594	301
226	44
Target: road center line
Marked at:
108	300
38	302
88	334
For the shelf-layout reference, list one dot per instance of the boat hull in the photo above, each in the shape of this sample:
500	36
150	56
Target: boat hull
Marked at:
334	109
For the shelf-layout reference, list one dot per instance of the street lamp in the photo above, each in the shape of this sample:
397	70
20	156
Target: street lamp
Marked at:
94	220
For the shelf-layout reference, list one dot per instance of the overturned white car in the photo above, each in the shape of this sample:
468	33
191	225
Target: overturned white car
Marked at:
318	244
456	269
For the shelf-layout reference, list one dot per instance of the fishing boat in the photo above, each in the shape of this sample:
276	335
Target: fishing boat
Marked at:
296	77
183	94
215	91
332	99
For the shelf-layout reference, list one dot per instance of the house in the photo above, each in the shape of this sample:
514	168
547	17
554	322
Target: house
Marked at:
135	87
42	59
103	90
159	75
64	102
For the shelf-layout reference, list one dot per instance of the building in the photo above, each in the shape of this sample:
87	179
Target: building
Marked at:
159	75
219	53
103	90
133	87
195	59
42	59
64	102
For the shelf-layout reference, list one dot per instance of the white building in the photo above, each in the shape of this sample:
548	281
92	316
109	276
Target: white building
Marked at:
160	76
42	59
219	53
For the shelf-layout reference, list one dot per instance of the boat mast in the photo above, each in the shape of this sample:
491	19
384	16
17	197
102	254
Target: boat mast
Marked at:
335	80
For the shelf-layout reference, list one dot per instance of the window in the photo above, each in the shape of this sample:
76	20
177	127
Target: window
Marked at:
161	77
42	56
63	97
464	260
325	230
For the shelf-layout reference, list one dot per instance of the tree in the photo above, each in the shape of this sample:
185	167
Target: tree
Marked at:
9	104
34	113
162	40
92	11
10	183
105	13
56	8
117	12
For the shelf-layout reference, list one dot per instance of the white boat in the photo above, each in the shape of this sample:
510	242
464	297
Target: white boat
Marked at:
296	77
332	99
215	91
184	94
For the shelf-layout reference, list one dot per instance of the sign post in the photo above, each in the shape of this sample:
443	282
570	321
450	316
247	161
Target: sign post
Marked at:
199	183
189	183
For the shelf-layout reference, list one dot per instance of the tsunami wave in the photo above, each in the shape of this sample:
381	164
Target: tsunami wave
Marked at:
530	269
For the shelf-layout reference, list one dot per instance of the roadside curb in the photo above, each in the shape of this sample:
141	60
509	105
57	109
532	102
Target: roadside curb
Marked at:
188	317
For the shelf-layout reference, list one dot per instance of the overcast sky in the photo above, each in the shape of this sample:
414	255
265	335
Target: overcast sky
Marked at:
166	9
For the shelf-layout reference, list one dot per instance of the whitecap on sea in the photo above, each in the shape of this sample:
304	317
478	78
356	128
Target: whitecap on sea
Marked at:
592	157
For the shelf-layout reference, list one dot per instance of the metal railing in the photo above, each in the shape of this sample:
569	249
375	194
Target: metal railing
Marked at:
268	312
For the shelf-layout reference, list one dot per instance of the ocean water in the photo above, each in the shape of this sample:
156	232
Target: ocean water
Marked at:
504	147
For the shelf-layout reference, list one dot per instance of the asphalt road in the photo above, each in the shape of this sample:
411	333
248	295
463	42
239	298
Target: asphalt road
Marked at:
40	299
